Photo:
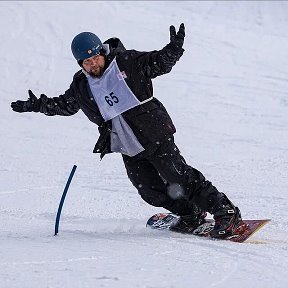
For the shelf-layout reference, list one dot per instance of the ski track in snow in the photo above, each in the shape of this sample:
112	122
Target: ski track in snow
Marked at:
228	98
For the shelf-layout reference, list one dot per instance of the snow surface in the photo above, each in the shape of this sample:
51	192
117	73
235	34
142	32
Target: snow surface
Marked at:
228	98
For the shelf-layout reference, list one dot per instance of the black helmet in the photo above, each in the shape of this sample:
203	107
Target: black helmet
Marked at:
86	45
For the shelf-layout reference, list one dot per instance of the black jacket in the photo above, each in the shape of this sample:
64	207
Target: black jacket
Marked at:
150	122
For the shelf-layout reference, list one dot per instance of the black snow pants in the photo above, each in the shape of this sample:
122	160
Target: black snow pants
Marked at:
163	179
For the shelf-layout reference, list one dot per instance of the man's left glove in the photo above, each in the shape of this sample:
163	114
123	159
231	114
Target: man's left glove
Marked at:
177	39
26	106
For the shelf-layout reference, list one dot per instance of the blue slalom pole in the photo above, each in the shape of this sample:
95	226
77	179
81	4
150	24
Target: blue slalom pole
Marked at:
63	198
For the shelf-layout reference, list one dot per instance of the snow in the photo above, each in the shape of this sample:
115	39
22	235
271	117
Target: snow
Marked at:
228	99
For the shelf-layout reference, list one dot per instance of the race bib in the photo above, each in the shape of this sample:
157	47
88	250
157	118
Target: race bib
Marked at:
111	92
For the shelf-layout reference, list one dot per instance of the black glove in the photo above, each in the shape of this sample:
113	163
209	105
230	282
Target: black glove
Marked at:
177	39
25	106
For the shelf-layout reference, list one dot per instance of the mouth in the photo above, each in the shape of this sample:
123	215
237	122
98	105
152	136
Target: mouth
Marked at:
96	72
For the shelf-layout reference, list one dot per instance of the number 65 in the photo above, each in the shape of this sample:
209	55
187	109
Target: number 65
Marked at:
111	99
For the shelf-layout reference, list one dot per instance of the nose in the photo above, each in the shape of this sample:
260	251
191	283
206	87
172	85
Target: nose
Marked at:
94	61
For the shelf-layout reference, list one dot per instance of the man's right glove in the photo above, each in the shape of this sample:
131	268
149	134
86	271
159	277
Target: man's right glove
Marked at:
26	106
177	39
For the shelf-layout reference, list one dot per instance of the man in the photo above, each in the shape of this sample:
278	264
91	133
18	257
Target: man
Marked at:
114	90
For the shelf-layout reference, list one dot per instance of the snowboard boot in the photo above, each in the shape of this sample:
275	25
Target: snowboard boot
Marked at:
188	223
227	218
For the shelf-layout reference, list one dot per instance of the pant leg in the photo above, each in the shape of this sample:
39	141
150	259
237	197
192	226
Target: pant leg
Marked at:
152	187
187	182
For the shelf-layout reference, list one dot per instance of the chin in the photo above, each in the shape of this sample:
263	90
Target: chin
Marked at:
97	74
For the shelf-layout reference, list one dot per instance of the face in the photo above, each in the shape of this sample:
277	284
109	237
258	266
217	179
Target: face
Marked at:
94	65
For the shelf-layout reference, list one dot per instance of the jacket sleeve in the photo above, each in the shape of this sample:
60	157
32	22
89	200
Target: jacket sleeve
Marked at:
64	105
156	63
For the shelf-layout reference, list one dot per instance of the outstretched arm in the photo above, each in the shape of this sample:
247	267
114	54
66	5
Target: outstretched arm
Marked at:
65	105
160	62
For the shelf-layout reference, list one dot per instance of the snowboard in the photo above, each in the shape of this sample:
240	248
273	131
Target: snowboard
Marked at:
163	221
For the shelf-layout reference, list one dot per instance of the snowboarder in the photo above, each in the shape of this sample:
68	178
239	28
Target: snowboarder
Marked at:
114	90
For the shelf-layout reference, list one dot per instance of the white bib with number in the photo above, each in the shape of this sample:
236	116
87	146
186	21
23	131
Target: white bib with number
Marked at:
111	92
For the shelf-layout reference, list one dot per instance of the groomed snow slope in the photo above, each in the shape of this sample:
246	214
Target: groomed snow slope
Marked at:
228	98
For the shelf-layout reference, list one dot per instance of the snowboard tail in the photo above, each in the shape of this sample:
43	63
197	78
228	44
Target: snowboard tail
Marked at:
247	227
